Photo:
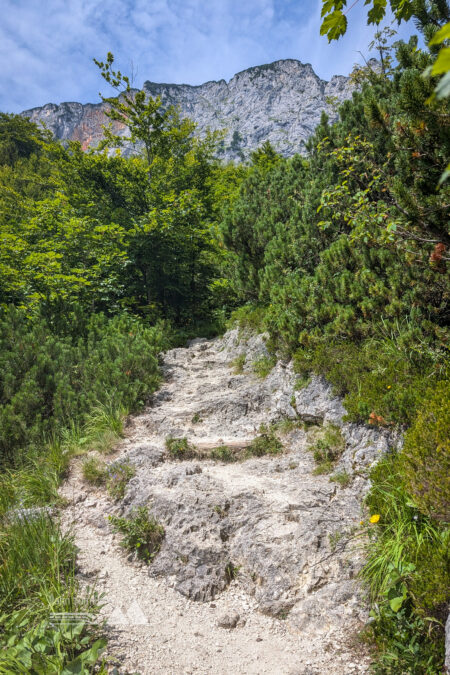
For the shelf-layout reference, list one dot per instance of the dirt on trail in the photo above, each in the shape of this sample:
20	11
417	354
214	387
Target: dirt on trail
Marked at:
257	572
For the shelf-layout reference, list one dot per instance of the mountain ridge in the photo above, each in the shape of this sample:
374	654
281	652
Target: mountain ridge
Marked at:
280	102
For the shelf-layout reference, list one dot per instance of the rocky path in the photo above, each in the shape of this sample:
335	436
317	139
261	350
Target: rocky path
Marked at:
254	574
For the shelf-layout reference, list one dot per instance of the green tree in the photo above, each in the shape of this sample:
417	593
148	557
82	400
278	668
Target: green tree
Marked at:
160	130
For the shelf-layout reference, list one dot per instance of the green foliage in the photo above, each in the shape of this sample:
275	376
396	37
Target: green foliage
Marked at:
353	238
266	443
238	363
263	366
302	382
118	475
432	16
407	573
382	379
403	645
44	649
179	448
249	318
425	459
327	448
94	471
141	533
35	483
342	478
49	382
159	129
19	138
223	453
38	579
285	426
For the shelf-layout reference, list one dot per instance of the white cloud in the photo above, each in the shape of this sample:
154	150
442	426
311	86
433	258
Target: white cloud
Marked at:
46	49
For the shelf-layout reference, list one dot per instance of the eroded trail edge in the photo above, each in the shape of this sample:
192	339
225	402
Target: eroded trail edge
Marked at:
257	571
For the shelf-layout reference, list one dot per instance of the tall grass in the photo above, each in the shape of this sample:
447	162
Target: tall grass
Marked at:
407	576
38	582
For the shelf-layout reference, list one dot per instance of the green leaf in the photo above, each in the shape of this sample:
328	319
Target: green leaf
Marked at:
443	87
376	14
396	603
334	25
445	175
442	34
442	63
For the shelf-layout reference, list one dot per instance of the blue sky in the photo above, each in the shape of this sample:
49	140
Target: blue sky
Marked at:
47	46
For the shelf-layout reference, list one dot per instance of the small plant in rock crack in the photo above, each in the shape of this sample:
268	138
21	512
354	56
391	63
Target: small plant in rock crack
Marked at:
287	425
238	364
196	419
335	538
263	366
265	444
223	453
342	478
327	449
231	571
141	533
94	471
179	448
117	477
302	382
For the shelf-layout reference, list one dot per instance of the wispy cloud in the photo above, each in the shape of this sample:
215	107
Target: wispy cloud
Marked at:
46	49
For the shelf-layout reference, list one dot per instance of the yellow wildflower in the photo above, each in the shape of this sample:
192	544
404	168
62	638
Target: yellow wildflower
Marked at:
375	518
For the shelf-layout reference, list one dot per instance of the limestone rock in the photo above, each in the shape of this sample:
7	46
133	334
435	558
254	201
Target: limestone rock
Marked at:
316	403
228	620
280	102
266	521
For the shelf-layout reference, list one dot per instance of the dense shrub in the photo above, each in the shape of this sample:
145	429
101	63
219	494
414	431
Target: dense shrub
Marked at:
48	381
407	572
384	376
426	454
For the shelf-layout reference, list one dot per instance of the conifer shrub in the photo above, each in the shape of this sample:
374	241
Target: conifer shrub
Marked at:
50	383
248	318
378	383
425	459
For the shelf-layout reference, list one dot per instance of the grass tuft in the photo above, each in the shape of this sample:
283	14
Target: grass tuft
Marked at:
263	366
179	448
238	364
265	444
223	453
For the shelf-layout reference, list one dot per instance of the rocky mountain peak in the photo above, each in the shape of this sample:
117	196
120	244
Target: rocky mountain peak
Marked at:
280	102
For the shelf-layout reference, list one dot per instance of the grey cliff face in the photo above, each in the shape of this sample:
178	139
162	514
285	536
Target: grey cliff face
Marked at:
280	102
